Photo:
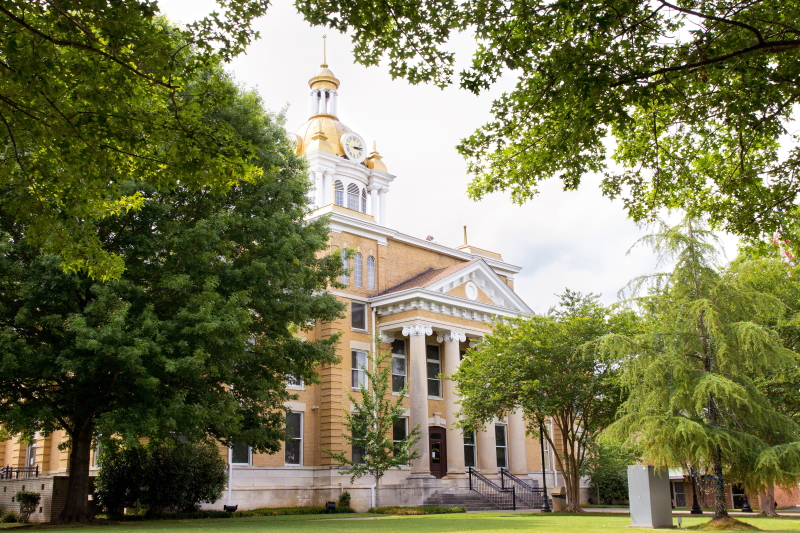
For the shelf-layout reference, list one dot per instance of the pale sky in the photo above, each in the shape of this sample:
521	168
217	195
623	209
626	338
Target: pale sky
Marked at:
560	239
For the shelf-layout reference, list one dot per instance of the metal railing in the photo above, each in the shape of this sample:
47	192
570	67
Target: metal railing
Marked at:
10	472
532	497
500	497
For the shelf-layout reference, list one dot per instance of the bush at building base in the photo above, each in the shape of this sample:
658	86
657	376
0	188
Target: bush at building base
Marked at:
28	502
162	476
409	511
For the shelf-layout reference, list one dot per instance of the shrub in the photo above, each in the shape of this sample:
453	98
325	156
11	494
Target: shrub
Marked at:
161	476
417	510
344	499
8	517
607	468
28	502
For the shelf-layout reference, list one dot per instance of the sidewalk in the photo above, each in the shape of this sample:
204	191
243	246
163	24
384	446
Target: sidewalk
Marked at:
618	510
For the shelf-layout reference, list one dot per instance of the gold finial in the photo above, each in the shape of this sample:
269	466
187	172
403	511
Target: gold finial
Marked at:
375	146
465	235
324	52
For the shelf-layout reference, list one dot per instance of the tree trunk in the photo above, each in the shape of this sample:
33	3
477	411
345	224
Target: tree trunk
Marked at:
720	506
377	491
767	499
76	505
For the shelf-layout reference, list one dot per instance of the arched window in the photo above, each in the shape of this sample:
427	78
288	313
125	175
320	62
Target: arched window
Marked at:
352	197
346	265
371	273
358	269
338	193
363	200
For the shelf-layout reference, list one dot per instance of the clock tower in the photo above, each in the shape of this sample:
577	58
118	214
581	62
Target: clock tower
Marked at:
345	174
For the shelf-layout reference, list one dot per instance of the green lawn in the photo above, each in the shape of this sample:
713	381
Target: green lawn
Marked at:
453	523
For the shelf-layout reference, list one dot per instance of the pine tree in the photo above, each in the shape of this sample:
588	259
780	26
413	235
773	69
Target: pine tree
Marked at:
692	376
370	427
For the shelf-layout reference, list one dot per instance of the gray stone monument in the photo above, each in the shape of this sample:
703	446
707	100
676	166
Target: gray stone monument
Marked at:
648	491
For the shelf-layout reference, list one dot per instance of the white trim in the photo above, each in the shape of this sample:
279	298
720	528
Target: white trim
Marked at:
298	407
435	324
363	346
437	302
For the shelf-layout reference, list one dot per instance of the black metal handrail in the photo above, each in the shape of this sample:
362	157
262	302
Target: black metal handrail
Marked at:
531	496
500	497
10	472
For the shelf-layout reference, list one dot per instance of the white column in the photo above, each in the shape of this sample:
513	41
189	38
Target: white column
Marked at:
418	394
327	185
314	103
487	450
333	104
455	437
382	211
518	462
373	193
319	185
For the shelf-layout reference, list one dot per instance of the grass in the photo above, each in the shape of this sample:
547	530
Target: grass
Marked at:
453	523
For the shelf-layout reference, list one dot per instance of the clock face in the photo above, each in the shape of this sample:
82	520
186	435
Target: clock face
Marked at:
354	147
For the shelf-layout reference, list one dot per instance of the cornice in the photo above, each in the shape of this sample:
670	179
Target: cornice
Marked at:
437	302
345	222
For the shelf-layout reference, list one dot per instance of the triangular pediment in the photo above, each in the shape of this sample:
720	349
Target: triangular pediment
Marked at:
478	282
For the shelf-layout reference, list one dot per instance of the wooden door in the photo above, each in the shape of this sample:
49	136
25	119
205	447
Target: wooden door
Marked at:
438	451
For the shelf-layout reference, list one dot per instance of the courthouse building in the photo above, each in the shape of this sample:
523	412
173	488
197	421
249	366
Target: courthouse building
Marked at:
426	301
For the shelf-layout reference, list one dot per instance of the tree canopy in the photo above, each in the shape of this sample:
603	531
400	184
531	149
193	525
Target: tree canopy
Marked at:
197	336
697	97
96	93
548	366
710	335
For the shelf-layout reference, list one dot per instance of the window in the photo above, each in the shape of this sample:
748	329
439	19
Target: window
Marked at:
469	450
338	192
30	454
293	452
97	451
399	431
502	450
398	365
358	270
358	451
345	278
359	367
240	453
294	382
363	200
358	315
371	273
352	197
434	369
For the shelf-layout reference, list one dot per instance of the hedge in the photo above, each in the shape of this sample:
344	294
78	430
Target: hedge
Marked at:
275	511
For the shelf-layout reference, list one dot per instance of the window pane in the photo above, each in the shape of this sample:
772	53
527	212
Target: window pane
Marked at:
501	458
399	429
433	352
371	273
358	455
500	435
358	274
398	383
434	369
293	423
399	366
358	315
292	455
469	438
240	453
469	456
345	265
399	347
434	388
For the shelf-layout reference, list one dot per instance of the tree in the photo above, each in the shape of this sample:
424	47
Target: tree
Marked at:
692	374
197	336
28	502
94	93
163	475
607	468
550	368
697	97
371	428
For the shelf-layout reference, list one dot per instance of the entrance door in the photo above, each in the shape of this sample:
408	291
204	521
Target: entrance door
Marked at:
438	453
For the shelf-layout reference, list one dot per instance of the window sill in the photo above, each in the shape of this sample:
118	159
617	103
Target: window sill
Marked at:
358	330
296	387
435	398
290	465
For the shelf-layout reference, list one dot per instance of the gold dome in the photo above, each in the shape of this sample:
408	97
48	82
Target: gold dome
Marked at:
324	79
374	159
331	129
